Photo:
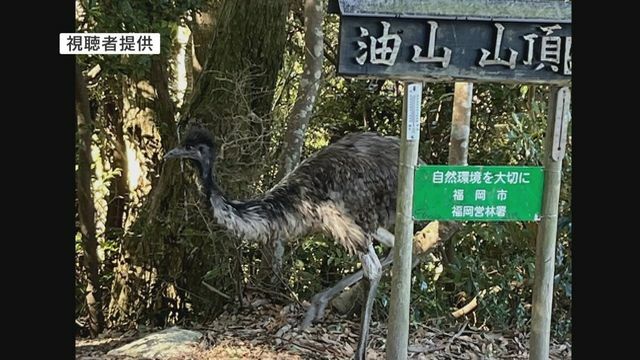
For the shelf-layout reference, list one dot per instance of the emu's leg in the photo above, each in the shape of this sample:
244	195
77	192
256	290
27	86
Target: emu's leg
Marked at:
372	274
320	300
384	237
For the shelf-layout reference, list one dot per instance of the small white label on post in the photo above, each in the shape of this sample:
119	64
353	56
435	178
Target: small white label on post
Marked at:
414	102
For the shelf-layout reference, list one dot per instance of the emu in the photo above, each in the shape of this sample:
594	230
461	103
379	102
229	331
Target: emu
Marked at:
347	190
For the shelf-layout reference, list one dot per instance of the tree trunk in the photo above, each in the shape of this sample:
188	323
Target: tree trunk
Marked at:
249	38
86	208
163	105
202	26
174	244
119	186
298	120
307	90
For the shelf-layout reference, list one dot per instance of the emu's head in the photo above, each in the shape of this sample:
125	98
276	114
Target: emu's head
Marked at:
198	146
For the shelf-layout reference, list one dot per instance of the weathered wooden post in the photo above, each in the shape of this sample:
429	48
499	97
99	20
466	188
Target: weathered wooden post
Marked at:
554	149
461	123
506	41
401	288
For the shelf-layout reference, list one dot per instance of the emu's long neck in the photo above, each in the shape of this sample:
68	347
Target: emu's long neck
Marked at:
254	220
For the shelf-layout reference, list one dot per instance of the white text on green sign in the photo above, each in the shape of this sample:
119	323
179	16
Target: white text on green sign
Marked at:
478	193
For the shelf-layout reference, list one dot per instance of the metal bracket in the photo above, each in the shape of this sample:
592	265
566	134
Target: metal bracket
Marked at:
561	123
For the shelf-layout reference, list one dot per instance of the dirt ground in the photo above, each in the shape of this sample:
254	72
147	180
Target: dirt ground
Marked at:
270	332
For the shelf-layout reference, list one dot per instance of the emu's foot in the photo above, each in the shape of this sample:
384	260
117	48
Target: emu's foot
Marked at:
316	310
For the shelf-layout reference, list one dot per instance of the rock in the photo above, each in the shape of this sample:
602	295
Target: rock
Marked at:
160	345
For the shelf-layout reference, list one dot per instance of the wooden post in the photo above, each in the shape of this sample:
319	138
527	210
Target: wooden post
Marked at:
460	123
398	336
459	141
555	141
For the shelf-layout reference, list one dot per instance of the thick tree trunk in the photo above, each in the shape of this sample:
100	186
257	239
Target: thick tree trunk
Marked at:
248	39
174	244
298	120
202	26
86	208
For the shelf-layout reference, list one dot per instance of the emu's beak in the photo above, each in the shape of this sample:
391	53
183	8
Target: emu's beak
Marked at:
179	153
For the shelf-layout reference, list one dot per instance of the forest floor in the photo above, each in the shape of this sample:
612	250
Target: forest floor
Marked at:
270	332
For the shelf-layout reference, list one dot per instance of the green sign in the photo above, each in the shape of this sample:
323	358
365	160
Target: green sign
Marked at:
477	193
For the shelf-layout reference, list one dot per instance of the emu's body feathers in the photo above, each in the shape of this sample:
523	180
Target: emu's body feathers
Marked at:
347	189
